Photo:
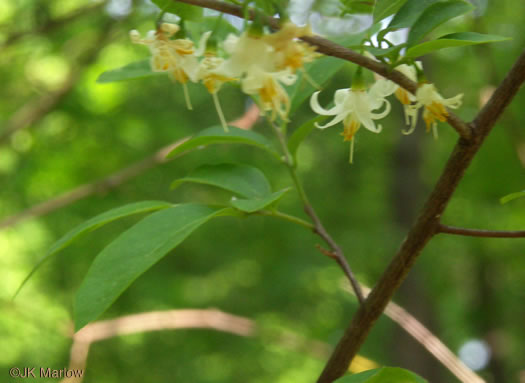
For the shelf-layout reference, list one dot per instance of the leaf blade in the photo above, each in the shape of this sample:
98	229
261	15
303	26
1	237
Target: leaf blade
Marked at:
320	71
383	375
435	15
453	40
409	13
132	71
217	135
184	11
385	8
244	180
93	224
256	204
300	134
134	252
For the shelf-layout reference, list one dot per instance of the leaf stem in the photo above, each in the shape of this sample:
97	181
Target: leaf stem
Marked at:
287	217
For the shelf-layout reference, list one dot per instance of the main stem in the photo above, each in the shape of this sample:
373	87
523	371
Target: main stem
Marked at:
318	228
427	224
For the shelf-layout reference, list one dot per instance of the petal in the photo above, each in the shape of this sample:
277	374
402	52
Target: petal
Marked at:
202	44
336	120
314	104
342	95
454	102
382	88
370	125
384	113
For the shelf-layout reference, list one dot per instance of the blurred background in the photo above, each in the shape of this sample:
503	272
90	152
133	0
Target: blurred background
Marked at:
60	130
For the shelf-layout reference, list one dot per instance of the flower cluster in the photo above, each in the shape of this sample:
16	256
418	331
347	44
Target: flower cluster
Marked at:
358	106
261	63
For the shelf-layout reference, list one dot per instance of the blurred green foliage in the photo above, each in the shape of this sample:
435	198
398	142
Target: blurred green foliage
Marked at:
256	267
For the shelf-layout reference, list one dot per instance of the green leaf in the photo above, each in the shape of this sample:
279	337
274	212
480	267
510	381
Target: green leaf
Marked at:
453	40
357	6
217	135
383	375
385	8
219	25
434	16
409	13
242	180
132	71
301	133
255	204
93	224
320	71
184	11
134	252
512	196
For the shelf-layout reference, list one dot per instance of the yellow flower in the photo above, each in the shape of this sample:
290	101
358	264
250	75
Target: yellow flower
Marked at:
176	57
268	86
254	62
435	105
290	52
213	81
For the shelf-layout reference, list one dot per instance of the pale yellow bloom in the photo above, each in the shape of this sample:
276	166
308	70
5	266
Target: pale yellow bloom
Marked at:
176	57
435	105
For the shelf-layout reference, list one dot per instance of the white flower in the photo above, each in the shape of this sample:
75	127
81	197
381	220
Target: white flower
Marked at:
435	105
356	107
406	98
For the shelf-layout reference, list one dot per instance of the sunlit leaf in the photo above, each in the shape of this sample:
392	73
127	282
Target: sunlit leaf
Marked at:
134	252
383	375
434	16
243	180
385	8
453	40
409	13
184	11
255	204
301	133
93	224
320	71
132	71
512	196
358	6
217	135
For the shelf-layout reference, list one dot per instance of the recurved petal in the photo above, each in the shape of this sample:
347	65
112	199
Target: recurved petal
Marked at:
336	120
384	113
314	104
202	44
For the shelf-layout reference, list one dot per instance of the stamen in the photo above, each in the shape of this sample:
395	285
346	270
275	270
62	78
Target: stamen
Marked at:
435	131
351	160
310	80
219	111
187	96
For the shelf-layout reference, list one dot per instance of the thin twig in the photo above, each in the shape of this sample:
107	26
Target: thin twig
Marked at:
112	181
428	340
329	48
97	187
33	111
480	233
53	24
